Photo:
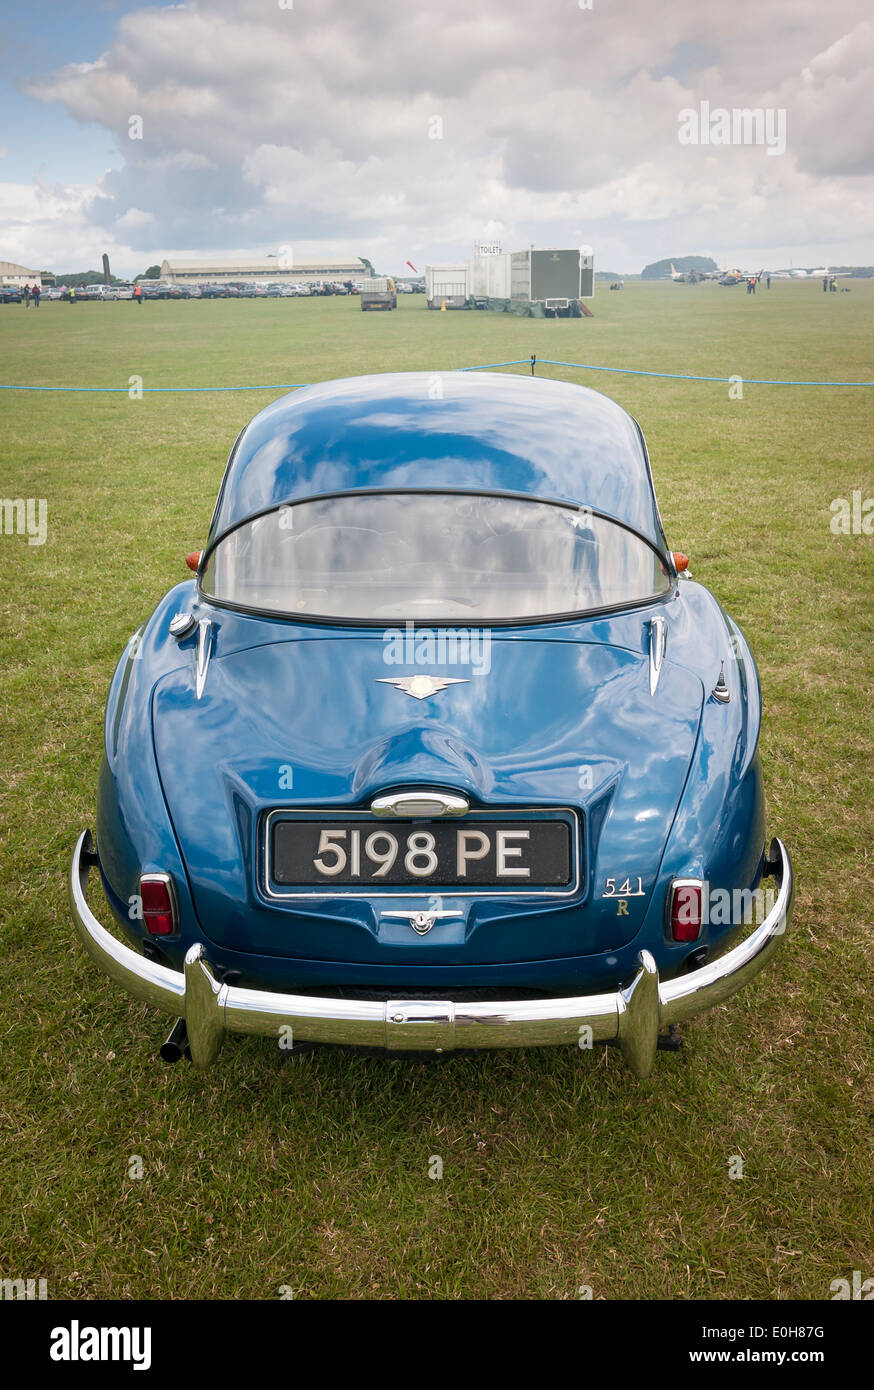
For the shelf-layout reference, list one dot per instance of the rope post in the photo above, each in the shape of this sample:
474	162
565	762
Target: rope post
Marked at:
533	361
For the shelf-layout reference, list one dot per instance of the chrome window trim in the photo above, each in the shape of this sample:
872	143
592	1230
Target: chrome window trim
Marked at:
371	625
625	605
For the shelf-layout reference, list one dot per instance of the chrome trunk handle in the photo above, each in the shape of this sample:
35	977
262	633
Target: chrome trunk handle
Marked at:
401	805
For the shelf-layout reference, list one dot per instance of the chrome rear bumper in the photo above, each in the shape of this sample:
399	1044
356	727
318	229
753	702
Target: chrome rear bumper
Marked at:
632	1016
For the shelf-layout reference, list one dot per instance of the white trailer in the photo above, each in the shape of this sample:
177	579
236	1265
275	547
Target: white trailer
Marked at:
490	276
447	285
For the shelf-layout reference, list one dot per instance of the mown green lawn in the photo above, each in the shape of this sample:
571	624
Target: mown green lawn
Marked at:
560	1170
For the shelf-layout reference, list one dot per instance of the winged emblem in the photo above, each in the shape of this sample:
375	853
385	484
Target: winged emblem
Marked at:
420	687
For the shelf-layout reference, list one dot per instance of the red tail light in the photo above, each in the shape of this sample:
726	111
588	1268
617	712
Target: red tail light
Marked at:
685	909
159	907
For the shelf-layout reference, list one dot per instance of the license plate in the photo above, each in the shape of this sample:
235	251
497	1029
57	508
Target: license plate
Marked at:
506	854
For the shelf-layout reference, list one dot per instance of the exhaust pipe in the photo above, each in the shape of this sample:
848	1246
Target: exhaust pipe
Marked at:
176	1043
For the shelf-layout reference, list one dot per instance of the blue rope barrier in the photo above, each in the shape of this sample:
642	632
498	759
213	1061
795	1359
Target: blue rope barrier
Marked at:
668	376
519	362
481	367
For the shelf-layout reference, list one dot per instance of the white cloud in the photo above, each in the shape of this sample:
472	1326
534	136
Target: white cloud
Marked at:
46	225
134	220
559	125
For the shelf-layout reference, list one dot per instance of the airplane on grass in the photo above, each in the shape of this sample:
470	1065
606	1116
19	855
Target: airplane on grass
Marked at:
722	277
687	277
738	277
742	277
795	274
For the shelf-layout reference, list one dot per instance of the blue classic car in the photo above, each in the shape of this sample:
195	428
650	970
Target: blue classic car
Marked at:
441	748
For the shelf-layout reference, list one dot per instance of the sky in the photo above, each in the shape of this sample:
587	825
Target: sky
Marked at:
409	131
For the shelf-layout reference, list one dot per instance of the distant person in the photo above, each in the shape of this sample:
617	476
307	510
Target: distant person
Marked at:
37	291
824	283
751	285
832	284
72	294
27	296
767	282
138	294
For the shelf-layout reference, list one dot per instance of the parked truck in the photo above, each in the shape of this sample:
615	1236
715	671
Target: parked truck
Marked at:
379	292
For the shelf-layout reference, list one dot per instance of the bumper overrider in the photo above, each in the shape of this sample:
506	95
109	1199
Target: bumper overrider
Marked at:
630	1017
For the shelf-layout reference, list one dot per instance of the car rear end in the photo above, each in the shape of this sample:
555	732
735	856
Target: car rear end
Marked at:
425	769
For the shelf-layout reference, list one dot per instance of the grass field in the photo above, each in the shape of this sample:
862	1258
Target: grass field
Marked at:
560	1170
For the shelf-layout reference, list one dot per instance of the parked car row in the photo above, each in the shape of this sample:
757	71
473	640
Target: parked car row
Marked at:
83	293
244	290
158	289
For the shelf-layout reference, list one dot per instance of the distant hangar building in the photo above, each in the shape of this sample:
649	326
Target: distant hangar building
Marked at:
18	275
272	269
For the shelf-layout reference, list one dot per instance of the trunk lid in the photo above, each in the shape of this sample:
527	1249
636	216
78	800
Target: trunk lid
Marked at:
316	722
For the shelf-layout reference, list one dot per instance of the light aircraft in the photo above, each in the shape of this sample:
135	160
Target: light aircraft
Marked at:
795	273
680	275
738	277
688	277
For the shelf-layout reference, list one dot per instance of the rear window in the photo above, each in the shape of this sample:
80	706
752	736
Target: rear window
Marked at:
440	557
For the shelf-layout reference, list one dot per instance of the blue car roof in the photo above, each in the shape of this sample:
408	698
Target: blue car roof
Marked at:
459	431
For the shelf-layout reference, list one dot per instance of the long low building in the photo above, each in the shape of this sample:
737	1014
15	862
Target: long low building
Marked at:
272	269
18	275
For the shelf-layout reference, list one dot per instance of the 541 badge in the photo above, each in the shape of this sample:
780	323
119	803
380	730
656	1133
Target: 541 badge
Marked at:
623	893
